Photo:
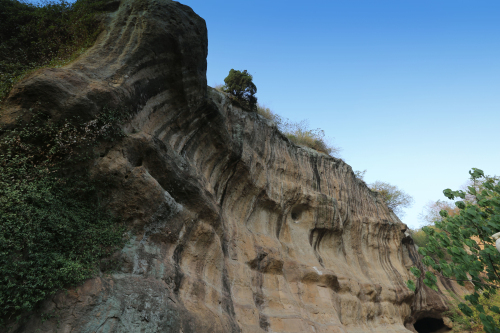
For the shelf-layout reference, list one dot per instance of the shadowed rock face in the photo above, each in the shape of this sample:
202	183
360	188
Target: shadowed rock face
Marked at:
233	227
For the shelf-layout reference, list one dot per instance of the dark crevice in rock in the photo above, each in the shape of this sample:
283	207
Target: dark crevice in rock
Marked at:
227	302
224	191
259	297
317	179
178	271
430	325
263	322
315	237
279	225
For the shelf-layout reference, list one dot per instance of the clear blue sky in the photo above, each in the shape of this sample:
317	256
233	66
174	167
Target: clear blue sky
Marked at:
410	90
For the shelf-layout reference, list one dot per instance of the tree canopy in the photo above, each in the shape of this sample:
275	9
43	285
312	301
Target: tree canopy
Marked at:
240	85
395	198
460	247
432	209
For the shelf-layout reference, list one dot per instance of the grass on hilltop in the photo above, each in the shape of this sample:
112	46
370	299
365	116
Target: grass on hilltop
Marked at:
299	132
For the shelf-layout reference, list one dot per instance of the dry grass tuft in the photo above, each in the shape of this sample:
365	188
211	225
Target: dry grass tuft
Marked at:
299	132
266	112
219	87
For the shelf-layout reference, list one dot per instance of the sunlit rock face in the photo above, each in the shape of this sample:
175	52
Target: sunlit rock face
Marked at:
233	228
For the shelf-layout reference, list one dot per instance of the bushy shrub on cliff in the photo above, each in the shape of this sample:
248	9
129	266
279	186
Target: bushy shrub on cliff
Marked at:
395	198
240	85
51	34
53	229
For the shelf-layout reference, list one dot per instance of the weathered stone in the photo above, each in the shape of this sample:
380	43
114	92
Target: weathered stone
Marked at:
233	227
447	322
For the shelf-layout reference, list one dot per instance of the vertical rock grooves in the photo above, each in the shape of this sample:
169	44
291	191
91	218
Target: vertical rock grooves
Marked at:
233	228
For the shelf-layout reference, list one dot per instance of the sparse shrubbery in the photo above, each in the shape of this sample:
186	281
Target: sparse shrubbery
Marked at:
360	174
219	87
299	132
266	112
51	35
395	198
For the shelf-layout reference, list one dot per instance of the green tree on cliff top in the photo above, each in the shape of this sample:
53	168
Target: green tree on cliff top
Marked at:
240	85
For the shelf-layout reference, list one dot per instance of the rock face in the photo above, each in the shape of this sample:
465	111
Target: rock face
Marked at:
233	227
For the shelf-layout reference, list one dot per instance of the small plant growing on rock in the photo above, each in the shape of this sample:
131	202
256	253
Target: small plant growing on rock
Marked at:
240	85
299	132
395	198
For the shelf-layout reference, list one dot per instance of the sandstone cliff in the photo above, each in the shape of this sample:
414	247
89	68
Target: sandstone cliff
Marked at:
233	227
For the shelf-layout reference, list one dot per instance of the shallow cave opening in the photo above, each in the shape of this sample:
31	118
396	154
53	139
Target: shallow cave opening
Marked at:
430	325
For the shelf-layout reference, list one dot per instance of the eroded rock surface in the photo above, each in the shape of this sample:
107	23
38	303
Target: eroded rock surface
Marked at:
233	227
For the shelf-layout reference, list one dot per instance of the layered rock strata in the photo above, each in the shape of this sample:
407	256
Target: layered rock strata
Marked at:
233	228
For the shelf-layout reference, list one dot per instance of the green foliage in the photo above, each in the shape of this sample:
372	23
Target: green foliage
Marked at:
299	132
360	174
432	211
419	237
33	37
53	229
411	285
473	322
240	85
394	198
460	247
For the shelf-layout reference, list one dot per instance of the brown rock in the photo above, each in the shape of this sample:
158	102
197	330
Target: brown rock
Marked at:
233	227
447	322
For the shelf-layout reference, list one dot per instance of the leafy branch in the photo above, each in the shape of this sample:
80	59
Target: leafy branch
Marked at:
460	247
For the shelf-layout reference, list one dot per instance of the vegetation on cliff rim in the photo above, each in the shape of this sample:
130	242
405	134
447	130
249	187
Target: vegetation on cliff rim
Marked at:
240	85
460	247
53	229
50	35
299	132
395	198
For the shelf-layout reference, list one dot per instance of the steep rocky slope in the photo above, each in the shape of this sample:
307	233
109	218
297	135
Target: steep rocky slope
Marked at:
233	227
